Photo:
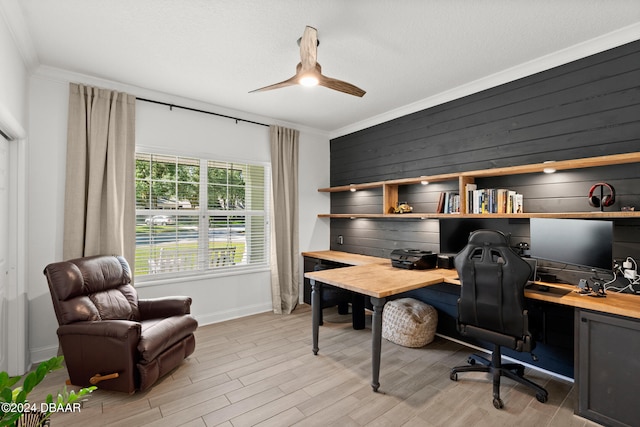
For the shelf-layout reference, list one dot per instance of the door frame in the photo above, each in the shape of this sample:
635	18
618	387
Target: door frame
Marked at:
17	355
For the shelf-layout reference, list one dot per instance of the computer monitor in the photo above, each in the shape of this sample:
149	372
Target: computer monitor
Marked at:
579	242
454	232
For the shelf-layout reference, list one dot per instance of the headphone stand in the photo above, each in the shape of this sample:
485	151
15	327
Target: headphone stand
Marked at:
602	198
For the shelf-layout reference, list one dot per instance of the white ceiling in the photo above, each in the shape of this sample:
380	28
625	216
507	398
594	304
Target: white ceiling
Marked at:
400	52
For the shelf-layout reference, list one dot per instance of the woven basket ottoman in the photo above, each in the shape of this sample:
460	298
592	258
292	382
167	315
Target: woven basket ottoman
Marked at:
409	322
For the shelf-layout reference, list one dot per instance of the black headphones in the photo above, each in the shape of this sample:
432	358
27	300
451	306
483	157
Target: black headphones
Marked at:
607	200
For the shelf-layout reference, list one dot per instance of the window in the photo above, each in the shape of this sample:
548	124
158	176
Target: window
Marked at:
198	215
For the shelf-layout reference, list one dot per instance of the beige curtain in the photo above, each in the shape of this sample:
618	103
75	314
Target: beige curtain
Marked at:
284	219
99	208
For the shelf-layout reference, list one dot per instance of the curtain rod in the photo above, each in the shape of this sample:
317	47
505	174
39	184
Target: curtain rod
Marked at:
171	106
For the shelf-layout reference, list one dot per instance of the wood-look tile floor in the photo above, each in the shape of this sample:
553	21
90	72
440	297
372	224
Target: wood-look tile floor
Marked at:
260	371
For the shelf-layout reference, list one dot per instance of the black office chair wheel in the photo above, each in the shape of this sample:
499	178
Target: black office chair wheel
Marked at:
453	376
542	398
471	361
497	403
519	371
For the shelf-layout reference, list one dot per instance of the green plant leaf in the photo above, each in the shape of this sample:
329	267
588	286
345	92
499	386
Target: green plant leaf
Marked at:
41	371
30	382
7	381
20	396
6	394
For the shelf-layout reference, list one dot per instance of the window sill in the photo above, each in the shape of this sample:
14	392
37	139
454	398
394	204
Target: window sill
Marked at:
168	279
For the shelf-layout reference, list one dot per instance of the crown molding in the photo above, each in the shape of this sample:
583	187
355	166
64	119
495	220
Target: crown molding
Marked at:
13	17
65	76
581	50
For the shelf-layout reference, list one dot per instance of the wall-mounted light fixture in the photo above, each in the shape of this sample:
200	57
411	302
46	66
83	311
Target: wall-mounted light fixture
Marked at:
424	182
352	189
549	169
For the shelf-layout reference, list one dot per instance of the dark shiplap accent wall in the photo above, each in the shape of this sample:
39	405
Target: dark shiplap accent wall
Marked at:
586	108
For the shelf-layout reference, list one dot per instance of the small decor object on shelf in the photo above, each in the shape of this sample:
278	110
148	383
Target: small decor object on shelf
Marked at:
403	207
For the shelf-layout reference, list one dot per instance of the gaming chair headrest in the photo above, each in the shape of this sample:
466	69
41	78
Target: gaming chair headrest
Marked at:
488	238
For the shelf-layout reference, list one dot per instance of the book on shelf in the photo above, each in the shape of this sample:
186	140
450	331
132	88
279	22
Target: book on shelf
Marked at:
519	205
448	202
511	201
494	200
440	208
469	189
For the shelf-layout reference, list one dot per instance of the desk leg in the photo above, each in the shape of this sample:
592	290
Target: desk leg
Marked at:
357	311
316	307
376	341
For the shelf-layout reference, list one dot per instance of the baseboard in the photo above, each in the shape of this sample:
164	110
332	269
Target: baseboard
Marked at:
236	313
41	354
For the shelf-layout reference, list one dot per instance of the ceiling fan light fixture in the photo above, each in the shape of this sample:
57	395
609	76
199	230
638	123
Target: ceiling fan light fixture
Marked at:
309	72
309	81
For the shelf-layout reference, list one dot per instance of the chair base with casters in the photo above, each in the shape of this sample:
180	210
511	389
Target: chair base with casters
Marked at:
497	369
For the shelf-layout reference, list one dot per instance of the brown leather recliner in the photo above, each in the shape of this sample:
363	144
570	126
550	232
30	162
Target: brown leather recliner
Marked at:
108	336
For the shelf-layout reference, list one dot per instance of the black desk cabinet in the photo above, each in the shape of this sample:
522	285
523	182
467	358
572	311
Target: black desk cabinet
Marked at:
608	368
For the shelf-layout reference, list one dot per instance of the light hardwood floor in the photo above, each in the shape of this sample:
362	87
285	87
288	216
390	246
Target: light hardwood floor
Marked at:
260	371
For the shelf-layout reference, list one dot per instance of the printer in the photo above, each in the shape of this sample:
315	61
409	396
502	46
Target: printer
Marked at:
411	259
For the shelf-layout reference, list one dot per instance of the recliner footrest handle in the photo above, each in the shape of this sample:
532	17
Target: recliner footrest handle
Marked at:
97	378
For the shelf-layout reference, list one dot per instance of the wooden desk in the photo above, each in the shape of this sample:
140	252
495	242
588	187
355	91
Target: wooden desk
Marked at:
376	278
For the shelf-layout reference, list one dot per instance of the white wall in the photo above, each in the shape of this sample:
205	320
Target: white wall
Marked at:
313	174
215	298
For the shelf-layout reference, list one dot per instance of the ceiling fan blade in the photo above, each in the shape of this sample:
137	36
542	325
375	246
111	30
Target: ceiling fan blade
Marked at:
308	48
340	86
289	82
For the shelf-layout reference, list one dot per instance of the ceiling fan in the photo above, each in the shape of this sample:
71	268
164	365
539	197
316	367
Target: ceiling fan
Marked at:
309	72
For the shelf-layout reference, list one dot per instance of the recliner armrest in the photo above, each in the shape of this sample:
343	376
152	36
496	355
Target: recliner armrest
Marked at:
102	347
154	308
120	329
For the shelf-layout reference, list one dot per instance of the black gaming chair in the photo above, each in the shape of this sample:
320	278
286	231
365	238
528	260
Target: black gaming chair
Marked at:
491	307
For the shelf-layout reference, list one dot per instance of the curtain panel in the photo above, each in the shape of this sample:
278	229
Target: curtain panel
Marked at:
100	182
284	219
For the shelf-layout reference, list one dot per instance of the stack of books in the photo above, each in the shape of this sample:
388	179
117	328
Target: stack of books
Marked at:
449	202
492	200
